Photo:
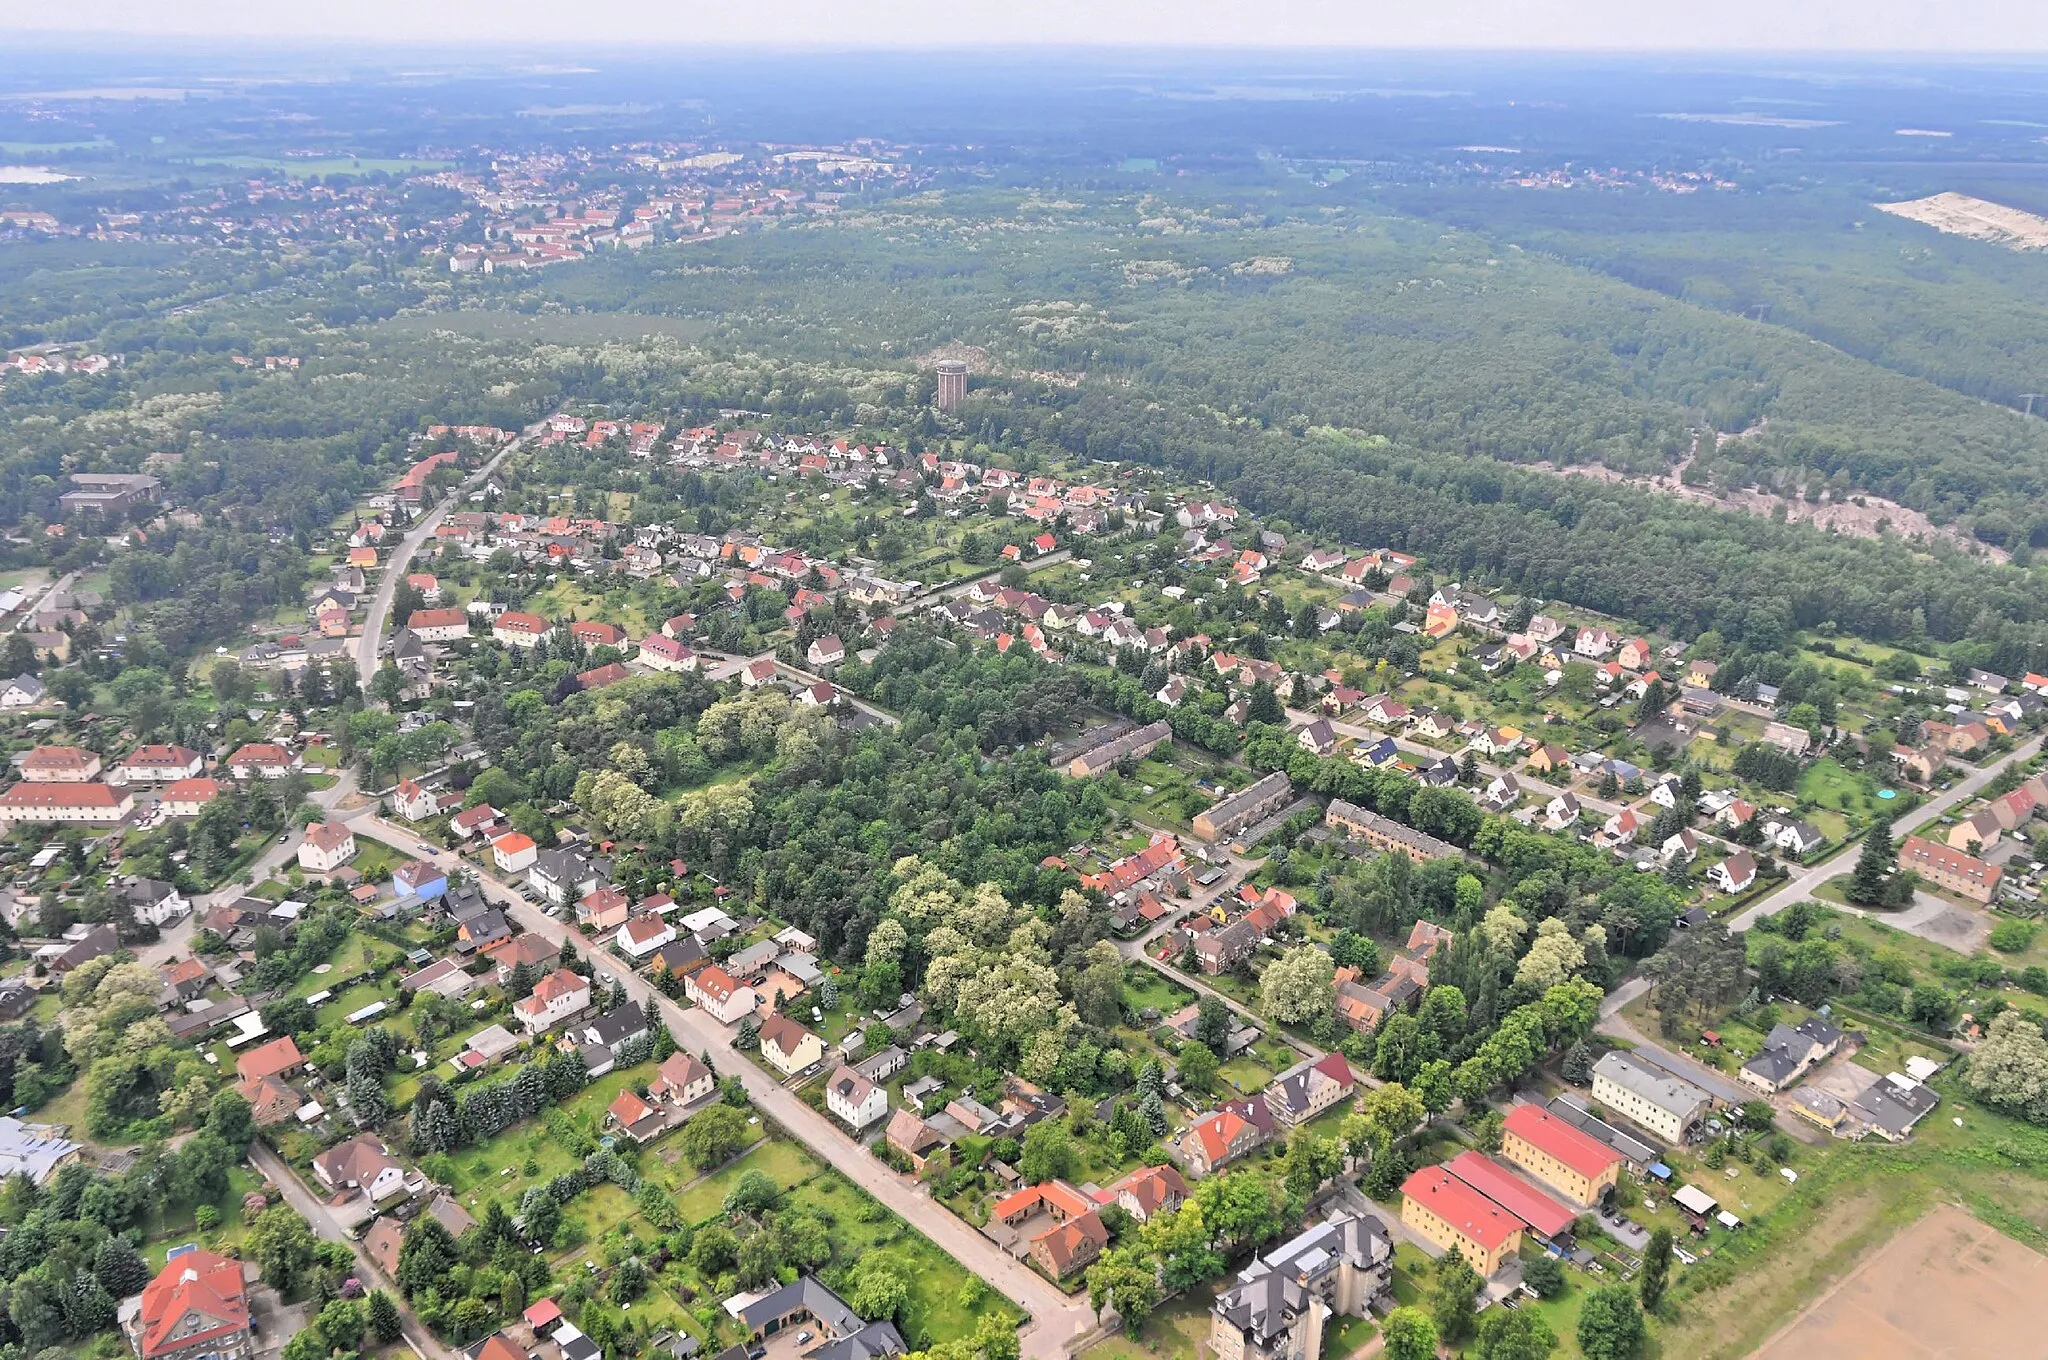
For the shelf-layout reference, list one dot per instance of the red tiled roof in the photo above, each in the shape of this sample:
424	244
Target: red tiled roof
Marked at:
1550	1135
268	1060
1511	1192
1471	1214
200	1283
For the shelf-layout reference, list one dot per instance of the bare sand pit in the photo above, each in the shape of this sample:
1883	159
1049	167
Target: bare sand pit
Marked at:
1946	1288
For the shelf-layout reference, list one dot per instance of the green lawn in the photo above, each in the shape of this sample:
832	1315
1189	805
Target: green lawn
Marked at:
165	1231
1175	1331
783	1161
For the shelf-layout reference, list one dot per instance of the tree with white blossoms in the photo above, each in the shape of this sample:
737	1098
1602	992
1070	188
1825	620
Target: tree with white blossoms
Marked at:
619	805
1012	1000
1554	955
1503	928
2009	1070
886	942
1298	988
103	1001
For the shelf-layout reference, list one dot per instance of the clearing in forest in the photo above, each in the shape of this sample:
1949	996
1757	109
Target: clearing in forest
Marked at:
1980	219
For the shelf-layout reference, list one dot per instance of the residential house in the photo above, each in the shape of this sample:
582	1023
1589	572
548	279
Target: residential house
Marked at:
1215	1140
327	847
913	1138
724	1000
554	999
565	875
643	935
682	1079
260	760
36	804
197	1308
1444	1210
634	1117
419	878
855	1099
1308	1088
362	1163
413	802
187	797
1736	873
1789	1052
1950	869
1975	834
788	1046
278	1058
1149	1191
1649	1097
1280	1306
58	765
514	852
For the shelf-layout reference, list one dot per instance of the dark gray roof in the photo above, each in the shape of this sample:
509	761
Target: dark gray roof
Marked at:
1274	1288
615	1027
807	1294
1895	1104
874	1340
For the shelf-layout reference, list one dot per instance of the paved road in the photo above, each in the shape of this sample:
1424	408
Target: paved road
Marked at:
42	601
1055	1318
370	646
308	1206
1800	885
176	939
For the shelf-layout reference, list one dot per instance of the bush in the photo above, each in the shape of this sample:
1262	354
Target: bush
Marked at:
2013	937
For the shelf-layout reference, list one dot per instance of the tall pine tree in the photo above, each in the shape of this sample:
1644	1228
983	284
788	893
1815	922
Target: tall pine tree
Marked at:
1867	883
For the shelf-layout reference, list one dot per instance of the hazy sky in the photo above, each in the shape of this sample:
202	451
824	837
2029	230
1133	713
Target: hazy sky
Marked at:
1906	26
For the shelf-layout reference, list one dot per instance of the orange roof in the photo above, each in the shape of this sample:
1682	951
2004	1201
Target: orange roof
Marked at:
1511	1192
1550	1135
191	791
1217	1133
268	1060
1470	1214
517	843
714	981
629	1109
198	1285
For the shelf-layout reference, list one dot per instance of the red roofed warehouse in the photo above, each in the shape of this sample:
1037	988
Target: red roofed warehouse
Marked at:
1572	1163
196	1306
1538	1211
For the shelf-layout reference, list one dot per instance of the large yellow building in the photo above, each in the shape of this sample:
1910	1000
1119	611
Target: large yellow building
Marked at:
1568	1161
1453	1215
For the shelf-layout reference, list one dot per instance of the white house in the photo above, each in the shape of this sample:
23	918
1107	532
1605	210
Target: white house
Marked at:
666	654
326	848
556	997
360	1164
412	802
724	1000
826	651
855	1099
155	901
514	853
643	935
23	691
1735	873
